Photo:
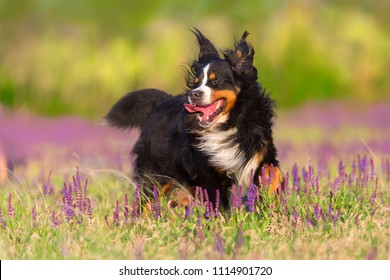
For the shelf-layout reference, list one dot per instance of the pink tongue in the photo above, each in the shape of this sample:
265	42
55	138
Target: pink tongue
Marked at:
207	111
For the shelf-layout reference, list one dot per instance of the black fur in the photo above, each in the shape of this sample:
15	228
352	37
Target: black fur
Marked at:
168	146
133	109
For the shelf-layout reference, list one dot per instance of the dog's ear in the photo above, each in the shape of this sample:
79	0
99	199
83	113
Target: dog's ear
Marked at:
207	51
242	58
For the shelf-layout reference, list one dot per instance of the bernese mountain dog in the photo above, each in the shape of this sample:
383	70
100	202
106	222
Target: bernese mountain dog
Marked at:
217	134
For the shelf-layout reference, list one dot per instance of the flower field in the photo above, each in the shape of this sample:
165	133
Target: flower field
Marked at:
68	194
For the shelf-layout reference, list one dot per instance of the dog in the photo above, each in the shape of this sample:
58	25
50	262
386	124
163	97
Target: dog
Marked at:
215	135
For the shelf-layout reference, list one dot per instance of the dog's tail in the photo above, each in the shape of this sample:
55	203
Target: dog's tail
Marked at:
133	109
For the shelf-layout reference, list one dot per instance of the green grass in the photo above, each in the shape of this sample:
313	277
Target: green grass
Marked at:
271	232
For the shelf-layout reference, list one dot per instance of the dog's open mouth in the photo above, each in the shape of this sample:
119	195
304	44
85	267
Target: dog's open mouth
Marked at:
208	113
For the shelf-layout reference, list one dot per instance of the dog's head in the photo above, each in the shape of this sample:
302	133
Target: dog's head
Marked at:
214	82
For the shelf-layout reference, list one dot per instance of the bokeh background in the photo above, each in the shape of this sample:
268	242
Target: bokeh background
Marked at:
78	57
326	63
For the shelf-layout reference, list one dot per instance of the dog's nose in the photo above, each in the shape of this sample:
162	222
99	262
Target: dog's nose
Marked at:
195	95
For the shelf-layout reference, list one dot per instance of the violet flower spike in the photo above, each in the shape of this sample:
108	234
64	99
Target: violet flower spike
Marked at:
11	210
219	244
317	211
251	197
2	220
374	195
54	219
116	214
199	228
286	182
34	216
217	202
341	168
126	211
84	200
207	204
89	208
295	175
135	212
48	187
294	215
372	171
156	203
309	220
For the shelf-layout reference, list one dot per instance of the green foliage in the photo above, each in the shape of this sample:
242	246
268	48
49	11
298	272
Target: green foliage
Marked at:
79	57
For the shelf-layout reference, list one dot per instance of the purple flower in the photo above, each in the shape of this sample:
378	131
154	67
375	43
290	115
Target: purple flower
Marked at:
78	190
2	220
199	197
68	212
317	211
68	195
54	219
251	198
265	180
48	188
271	174
219	244
135	211
336	184
372	171
156	204
322	214
284	204
338	214
286	182
116	214
207	204
126	211
11	210
374	195
309	220
294	215
341	168
362	163
296	179
89	208
357	219
188	209
84	199
330	210
352	176
34	216
235	198
199	228
217	202
371	255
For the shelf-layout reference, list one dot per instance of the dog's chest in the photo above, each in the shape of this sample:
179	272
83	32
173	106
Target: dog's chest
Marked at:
225	154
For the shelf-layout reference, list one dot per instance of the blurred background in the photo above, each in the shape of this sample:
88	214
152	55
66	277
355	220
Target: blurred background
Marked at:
76	58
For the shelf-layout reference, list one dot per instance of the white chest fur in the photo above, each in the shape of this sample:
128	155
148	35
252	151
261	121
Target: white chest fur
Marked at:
225	154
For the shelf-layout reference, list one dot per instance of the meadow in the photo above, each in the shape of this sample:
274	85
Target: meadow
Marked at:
83	205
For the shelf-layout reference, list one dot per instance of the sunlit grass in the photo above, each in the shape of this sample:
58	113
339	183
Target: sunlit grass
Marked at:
317	217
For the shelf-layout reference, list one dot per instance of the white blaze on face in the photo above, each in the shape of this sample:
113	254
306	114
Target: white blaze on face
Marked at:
206	99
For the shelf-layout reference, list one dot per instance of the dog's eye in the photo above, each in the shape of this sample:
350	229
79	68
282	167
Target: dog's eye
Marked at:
196	81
